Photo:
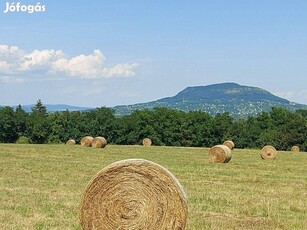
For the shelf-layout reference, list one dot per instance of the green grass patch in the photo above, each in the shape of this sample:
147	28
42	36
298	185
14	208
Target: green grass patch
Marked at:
41	185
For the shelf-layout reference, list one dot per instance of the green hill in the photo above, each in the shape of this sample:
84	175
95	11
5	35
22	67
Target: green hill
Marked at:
238	100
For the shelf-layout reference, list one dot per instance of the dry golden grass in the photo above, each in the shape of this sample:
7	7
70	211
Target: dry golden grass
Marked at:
41	185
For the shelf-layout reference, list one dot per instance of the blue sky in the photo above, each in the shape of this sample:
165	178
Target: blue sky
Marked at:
107	53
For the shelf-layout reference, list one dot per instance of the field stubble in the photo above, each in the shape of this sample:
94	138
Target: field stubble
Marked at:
41	185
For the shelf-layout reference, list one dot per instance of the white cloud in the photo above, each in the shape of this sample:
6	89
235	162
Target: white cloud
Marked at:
10	52
39	58
84	66
9	58
16	61
120	70
4	66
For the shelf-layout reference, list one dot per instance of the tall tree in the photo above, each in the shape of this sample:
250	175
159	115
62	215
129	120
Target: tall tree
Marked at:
39	108
38	126
21	121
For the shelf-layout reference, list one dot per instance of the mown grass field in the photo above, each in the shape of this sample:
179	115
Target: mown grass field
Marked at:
41	185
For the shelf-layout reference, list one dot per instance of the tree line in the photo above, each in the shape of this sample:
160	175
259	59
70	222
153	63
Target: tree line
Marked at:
279	127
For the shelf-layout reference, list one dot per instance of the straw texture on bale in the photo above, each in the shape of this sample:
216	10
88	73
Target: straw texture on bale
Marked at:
295	148
99	142
229	144
147	142
134	194
219	154
268	152
86	141
71	142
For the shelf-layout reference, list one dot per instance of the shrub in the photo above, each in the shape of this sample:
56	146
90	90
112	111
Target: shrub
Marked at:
23	140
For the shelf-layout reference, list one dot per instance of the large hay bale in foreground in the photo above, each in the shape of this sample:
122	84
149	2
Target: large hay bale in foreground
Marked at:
295	148
71	142
86	141
134	194
229	144
99	142
147	142
219	154
268	152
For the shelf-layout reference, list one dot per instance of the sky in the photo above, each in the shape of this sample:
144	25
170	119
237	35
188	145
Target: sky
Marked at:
107	53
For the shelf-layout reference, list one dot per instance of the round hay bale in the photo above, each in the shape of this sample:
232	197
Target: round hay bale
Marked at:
99	142
134	194
219	154
86	141
268	152
147	142
229	144
71	142
295	148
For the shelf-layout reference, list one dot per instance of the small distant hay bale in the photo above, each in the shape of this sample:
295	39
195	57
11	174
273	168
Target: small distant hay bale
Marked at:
295	148
229	144
219	154
86	141
99	142
134	194
268	152
147	142
71	142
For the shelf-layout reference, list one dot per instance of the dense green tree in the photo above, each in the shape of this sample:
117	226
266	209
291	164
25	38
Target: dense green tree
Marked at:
267	137
102	123
58	123
279	116
238	132
73	125
302	113
8	130
223	124
38	126
164	126
279	127
293	130
142	127
197	129
21	120
126	133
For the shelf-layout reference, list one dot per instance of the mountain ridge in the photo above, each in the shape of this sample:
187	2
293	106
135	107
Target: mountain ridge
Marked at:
237	100
246	92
